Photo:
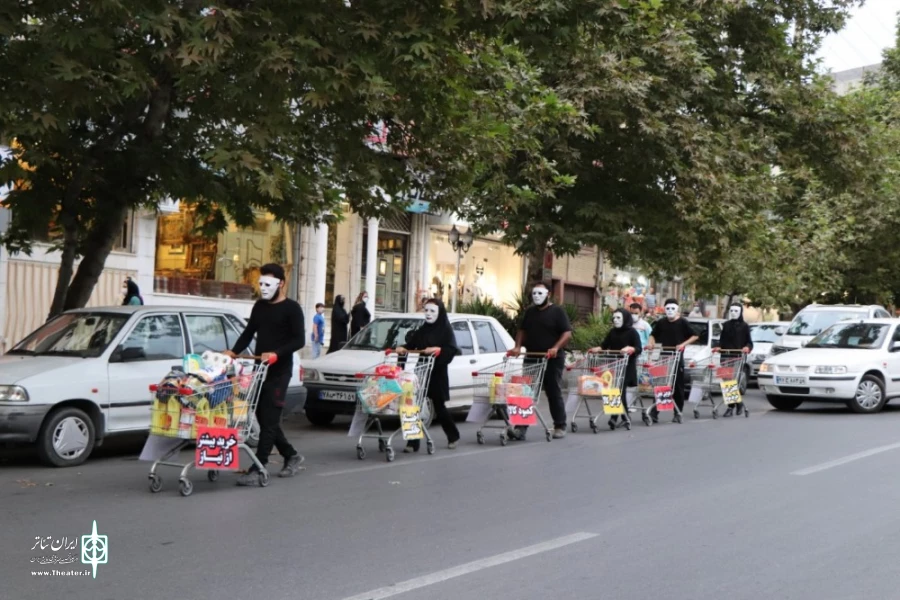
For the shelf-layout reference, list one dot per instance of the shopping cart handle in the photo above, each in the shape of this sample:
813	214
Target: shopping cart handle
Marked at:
154	387
186	391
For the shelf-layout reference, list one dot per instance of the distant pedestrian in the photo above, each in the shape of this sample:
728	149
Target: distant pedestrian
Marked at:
277	323
317	337
735	336
340	319
545	329
640	325
359	315
131	293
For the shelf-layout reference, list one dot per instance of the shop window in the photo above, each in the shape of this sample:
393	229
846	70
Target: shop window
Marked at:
223	266
123	243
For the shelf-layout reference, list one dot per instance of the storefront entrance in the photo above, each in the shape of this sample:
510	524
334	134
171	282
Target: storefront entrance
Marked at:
390	271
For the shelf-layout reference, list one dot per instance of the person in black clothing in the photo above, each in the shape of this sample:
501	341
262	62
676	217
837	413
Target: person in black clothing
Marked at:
359	314
672	332
277	322
436	335
735	336
545	328
339	321
132	294
623	336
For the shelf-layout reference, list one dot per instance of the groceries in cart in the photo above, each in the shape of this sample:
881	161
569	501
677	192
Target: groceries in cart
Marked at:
718	374
386	389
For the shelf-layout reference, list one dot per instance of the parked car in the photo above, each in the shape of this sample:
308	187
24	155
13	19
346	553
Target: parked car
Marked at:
85	375
816	318
764	336
856	363
331	380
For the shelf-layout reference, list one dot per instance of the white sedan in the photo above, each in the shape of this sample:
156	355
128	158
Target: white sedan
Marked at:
856	363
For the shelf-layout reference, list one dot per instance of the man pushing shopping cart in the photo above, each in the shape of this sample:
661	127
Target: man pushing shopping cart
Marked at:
673	332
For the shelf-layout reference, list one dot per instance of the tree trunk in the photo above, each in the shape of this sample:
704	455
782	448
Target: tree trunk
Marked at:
97	246
535	271
66	268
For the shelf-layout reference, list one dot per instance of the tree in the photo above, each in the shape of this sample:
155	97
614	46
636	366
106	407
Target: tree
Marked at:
115	104
686	109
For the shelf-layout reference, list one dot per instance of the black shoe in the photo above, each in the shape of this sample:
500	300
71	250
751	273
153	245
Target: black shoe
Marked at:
291	466
250	479
516	435
740	409
612	423
729	412
654	417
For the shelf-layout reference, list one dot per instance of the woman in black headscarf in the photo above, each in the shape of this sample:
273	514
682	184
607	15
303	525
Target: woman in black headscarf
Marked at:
623	337
359	314
436	335
339	321
132	294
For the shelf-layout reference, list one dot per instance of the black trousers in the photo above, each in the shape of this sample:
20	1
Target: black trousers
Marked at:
443	416
677	390
268	414
553	389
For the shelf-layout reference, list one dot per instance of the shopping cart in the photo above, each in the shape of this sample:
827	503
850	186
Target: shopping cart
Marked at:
178	411
518	377
397	387
598	376
657	373
719	373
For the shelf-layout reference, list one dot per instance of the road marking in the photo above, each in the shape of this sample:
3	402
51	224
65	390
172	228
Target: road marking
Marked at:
472	567
847	459
402	463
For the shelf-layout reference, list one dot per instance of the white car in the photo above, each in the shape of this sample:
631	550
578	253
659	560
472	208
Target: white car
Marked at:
816	318
856	363
86	374
764	336
331	381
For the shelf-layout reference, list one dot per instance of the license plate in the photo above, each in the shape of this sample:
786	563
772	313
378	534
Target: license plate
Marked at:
782	380
338	396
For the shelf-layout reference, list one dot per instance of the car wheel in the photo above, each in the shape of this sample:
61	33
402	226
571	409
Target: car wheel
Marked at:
319	417
66	438
869	396
783	403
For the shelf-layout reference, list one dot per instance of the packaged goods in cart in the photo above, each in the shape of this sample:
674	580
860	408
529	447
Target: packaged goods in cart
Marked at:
593	385
505	391
492	388
380	394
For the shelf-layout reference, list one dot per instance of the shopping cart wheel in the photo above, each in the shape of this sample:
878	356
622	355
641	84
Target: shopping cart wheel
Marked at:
429	447
645	419
503	440
715	414
696	414
677	418
381	445
155	483
263	478
185	487
574	427
212	475
389	454
479	437
746	413
360	452
549	435
627	425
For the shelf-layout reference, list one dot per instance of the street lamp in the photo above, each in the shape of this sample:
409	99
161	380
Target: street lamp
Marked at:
461	243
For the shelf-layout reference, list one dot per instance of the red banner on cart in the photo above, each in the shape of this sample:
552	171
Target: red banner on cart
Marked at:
521	411
663	396
217	449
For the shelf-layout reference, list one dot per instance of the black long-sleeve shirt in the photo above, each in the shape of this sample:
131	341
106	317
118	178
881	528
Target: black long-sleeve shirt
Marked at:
278	328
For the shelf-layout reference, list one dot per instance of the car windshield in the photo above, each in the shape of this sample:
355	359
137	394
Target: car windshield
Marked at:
73	334
382	334
764	334
701	330
815	322
851	335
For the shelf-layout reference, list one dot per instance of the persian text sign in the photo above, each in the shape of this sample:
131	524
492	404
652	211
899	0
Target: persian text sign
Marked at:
612	402
731	392
217	449
410	424
663	396
521	411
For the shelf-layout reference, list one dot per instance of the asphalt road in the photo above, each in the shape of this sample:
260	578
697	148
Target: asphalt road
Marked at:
789	506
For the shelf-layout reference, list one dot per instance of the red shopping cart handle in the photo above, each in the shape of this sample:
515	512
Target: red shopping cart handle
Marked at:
435	354
154	387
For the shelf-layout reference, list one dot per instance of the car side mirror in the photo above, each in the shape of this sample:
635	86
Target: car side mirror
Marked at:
895	346
780	330
127	354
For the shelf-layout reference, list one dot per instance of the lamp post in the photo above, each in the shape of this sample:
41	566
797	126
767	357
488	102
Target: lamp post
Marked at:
461	243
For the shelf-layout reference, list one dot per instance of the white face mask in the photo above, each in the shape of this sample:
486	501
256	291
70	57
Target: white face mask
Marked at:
671	311
734	313
268	287
636	317
539	295
618	320
431	313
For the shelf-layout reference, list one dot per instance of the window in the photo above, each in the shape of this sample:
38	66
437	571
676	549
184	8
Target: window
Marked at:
499	342
233	332
814	322
485	335
73	334
159	336
851	335
764	334
207	333
382	334
463	337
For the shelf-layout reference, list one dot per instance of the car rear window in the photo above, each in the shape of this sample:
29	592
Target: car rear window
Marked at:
815	322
